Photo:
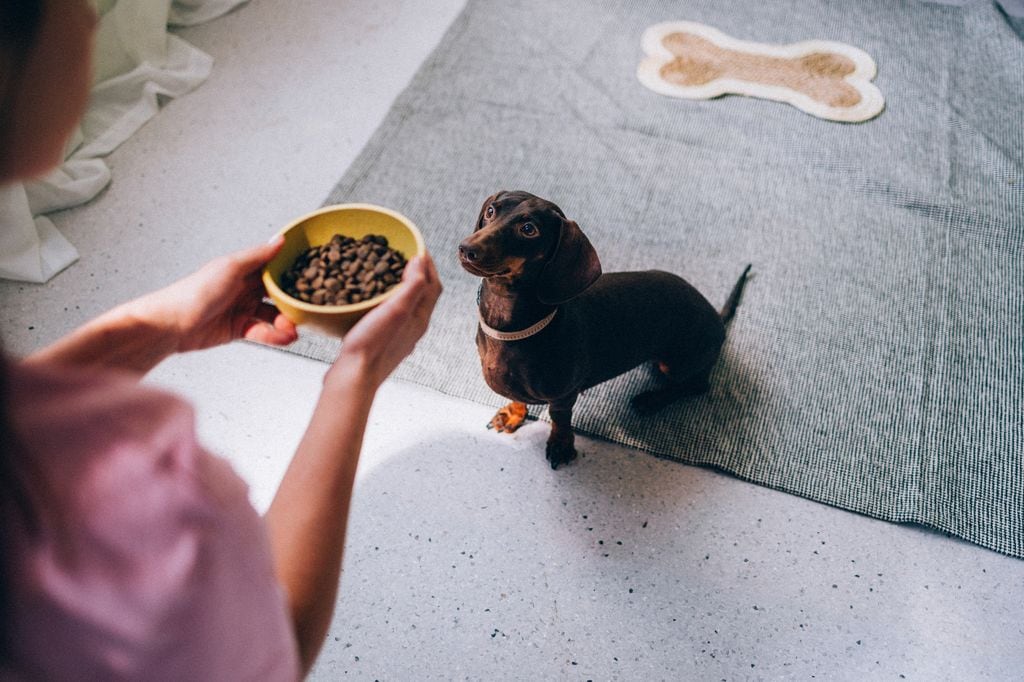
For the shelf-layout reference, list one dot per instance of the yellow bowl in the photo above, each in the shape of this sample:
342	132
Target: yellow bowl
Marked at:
316	228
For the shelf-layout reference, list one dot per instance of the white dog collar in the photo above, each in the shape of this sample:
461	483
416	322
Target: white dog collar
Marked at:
515	336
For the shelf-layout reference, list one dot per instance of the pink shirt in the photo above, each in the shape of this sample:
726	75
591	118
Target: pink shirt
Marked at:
149	561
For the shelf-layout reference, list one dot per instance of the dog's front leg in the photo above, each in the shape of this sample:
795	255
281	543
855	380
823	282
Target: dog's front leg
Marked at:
561	443
509	418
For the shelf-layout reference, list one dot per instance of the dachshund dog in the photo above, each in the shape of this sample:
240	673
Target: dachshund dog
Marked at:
552	326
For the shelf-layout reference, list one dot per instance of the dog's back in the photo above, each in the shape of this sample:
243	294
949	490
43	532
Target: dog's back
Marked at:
628	318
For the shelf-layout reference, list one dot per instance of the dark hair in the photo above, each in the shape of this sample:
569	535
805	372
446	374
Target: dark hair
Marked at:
19	20
15	500
19	24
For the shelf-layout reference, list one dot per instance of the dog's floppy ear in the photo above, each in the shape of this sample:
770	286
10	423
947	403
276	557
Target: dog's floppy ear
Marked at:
487	202
572	268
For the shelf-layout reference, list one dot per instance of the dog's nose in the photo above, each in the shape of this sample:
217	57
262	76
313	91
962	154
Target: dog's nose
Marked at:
467	253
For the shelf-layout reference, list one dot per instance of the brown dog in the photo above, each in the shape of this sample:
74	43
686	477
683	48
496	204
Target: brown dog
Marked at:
552	326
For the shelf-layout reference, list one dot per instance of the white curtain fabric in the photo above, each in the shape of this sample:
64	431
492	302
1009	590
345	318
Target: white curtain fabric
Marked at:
136	62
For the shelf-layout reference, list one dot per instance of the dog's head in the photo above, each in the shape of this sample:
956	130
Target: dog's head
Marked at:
528	240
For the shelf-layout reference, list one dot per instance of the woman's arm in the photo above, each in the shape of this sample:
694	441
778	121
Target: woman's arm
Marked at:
221	302
307	519
117	339
309	514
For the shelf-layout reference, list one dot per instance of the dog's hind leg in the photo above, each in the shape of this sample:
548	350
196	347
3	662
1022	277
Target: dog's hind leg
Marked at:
675	389
650	402
693	382
561	448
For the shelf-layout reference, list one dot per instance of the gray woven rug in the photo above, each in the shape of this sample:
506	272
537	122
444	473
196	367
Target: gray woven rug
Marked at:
877	361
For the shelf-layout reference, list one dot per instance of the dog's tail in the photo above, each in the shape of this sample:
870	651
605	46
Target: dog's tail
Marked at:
729	309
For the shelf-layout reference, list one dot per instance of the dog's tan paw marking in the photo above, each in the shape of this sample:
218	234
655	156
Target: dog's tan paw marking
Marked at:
508	418
823	78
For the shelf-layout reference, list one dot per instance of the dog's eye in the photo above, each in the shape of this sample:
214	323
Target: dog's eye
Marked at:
528	230
489	213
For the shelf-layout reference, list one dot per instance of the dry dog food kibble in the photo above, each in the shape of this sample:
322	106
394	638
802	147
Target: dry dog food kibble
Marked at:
344	270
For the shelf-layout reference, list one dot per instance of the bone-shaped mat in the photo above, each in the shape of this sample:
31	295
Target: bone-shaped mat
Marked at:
823	78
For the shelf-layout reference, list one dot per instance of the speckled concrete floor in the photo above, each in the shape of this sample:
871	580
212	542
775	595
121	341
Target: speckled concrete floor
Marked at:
468	557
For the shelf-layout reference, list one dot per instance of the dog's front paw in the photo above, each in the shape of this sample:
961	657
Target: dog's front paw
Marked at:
560	452
508	418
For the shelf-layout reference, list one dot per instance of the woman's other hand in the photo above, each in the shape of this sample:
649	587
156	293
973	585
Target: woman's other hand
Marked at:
375	346
220	302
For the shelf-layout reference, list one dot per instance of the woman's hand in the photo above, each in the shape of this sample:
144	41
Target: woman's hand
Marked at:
375	346
220	302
